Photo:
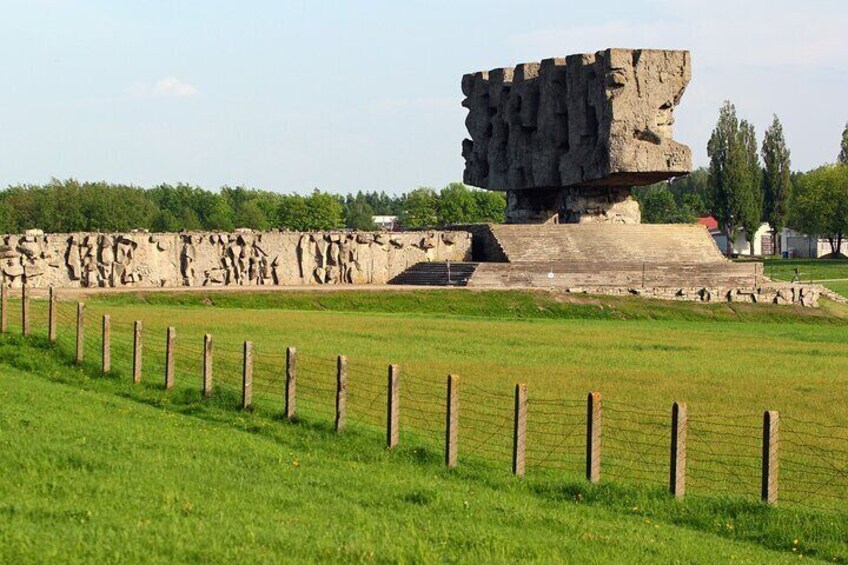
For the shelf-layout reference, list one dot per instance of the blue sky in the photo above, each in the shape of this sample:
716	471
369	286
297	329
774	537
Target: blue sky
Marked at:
344	96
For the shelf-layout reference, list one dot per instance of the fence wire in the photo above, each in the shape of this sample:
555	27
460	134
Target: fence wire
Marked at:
724	453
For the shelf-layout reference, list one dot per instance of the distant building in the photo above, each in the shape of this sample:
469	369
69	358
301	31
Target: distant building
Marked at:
796	244
388	223
763	243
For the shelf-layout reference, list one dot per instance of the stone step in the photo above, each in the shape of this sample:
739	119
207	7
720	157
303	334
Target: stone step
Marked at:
650	243
436	274
610	274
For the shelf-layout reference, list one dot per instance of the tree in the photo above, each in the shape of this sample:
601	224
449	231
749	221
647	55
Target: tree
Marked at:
324	211
456	205
734	175
842	159
293	212
220	216
419	208
821	206
659	205
491	206
777	183
250	215
359	215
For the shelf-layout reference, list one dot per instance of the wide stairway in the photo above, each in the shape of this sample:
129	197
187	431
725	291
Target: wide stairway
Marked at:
590	256
610	243
436	274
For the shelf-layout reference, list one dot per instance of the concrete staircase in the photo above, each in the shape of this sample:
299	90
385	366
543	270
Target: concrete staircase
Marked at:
436	274
599	273
610	243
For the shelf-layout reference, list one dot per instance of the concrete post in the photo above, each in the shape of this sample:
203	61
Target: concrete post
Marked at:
393	407
207	365
771	456
80	327
51	315
593	437
341	393
170	343
247	377
291	383
25	310
106	345
4	306
519	430
136	370
451	420
679	431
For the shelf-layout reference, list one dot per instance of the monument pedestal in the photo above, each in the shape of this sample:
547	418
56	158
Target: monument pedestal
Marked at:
573	205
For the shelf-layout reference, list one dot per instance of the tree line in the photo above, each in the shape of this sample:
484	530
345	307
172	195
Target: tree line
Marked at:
748	183
71	206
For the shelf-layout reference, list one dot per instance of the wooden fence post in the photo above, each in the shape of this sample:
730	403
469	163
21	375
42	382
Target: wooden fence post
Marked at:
291	383
679	431
393	407
25	309
4	305
136	370
51	315
771	455
593	437
80	328
519	430
207	365
106	349
341	393
247	376
451	420
170	342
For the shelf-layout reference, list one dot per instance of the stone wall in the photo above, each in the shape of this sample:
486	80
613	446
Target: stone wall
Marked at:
243	258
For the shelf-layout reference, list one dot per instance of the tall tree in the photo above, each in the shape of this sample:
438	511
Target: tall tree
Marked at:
734	175
777	183
821	206
842	159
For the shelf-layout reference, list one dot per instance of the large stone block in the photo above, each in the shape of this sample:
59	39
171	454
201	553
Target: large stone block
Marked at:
592	120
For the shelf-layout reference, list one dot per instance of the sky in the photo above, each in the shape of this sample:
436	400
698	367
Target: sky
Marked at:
345	96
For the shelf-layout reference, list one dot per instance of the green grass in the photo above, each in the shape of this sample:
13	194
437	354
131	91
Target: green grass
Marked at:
839	287
808	269
95	469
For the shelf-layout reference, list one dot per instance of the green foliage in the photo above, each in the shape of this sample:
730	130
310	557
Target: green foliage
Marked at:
820	207
734	174
67	206
842	158
777	183
358	212
420	208
661	206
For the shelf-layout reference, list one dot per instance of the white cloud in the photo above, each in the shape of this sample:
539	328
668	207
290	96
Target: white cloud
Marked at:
168	87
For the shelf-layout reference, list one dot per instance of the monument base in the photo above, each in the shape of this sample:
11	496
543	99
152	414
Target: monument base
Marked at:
573	205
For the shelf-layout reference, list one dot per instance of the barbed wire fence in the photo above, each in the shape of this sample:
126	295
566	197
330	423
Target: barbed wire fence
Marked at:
777	458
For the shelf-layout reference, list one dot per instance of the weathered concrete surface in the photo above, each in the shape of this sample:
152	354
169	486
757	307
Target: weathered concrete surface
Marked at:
590	120
243	258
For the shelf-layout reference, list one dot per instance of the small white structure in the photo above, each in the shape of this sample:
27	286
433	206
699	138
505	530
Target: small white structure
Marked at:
388	223
762	245
807	246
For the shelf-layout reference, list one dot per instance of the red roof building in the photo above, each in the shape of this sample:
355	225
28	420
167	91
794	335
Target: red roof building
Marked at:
710	222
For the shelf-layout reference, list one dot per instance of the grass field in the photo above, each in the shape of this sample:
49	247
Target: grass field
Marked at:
728	363
808	269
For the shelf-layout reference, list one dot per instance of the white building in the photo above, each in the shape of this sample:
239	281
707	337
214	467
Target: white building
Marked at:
388	223
806	246
763	243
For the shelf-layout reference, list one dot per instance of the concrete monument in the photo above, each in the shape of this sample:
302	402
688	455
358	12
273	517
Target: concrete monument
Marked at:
567	138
